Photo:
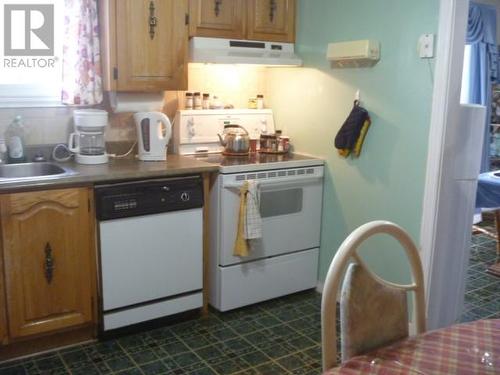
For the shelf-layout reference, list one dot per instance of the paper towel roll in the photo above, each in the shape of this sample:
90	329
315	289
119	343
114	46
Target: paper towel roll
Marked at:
135	102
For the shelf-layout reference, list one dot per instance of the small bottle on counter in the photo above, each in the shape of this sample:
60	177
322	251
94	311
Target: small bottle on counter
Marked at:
188	103
260	101
216	103
197	100
206	101
14	136
252	103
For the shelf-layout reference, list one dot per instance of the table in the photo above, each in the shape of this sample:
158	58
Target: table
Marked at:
469	348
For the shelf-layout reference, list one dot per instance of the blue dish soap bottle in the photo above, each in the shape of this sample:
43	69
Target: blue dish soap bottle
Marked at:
14	136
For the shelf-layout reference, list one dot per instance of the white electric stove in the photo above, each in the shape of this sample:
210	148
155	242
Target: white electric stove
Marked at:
285	259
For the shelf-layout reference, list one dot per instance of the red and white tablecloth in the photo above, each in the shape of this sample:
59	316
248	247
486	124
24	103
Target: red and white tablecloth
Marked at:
469	348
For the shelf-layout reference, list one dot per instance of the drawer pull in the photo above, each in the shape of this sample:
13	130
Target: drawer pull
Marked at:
49	263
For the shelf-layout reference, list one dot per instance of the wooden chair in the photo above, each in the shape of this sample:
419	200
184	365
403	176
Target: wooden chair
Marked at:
373	311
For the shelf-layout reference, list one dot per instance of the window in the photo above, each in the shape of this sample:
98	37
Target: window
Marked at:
31	46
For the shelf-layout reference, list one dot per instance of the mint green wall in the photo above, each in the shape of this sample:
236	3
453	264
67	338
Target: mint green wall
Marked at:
311	103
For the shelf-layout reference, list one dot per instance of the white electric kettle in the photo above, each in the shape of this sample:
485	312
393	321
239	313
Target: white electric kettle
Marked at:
153	134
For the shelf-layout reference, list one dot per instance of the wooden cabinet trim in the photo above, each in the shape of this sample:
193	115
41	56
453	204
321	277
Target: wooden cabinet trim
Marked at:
107	27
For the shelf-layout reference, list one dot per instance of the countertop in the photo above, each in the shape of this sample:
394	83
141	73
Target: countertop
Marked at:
116	170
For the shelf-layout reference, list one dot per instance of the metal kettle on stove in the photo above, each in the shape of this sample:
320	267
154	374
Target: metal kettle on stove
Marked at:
236	140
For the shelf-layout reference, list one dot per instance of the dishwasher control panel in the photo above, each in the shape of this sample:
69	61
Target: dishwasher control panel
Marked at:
139	198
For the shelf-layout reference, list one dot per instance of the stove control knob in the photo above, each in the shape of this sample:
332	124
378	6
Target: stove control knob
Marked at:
263	127
165	188
185	197
190	126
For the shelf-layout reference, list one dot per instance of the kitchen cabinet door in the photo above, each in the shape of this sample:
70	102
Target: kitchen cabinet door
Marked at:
271	20
151	45
48	250
217	18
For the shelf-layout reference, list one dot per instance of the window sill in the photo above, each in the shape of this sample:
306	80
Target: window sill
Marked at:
30	103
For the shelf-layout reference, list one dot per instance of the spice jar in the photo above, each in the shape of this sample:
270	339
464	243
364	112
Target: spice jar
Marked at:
252	103
206	101
283	143
267	142
260	101
197	100
188	102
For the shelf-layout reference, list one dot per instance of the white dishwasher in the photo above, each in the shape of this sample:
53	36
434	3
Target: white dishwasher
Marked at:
150	249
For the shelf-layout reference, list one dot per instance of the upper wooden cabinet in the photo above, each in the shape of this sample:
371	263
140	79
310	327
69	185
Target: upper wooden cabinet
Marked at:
144	44
272	20
268	20
48	249
217	18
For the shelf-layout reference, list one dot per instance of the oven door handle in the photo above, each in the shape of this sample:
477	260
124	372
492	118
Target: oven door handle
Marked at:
276	181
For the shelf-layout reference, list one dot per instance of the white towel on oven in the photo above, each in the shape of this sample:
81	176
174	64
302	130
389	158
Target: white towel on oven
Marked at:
253	220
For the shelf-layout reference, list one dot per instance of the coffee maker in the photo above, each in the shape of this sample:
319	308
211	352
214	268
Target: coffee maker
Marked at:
153	134
87	142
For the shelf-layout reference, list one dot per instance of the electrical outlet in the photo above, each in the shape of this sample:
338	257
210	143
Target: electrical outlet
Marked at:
426	46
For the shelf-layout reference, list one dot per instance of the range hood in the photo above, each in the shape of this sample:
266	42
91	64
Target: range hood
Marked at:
233	51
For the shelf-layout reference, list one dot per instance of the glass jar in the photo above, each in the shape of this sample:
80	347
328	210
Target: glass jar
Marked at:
197	101
260	101
252	103
267	143
206	101
188	103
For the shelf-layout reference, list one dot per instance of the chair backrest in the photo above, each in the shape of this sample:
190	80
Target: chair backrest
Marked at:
374	311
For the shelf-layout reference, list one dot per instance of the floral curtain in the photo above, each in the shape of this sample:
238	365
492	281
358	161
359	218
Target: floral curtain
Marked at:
82	77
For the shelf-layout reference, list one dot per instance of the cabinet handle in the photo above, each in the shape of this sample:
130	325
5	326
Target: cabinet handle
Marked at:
153	21
218	3
273	6
49	263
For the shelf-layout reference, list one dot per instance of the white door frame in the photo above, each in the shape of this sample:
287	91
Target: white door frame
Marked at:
445	281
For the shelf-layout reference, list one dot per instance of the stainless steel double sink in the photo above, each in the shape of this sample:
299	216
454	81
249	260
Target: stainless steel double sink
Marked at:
24	171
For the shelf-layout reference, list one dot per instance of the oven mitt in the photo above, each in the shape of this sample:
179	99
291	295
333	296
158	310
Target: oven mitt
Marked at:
361	138
352	133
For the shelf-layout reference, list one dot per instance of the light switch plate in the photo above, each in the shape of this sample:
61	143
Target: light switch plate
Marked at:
426	46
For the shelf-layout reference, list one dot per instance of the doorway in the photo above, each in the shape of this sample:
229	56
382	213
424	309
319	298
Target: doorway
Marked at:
451	182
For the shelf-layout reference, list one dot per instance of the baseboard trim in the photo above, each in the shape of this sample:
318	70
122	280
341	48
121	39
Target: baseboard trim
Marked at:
319	287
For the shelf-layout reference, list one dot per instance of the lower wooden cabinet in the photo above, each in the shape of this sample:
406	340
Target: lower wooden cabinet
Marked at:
49	261
3	306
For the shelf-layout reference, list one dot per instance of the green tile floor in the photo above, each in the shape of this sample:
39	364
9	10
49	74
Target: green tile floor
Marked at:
482	296
275	337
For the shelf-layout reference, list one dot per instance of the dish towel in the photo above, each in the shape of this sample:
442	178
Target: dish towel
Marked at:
249	219
241	245
253	226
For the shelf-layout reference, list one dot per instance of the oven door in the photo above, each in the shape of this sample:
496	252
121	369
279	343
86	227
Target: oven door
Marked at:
290	207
